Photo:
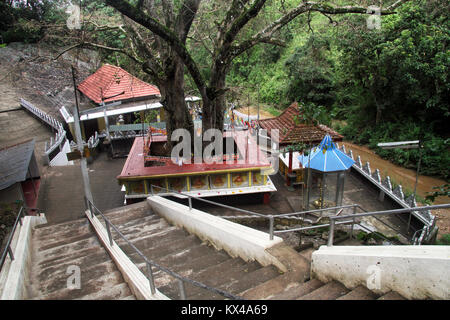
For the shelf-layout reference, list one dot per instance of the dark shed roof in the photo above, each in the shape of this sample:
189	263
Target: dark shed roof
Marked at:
14	163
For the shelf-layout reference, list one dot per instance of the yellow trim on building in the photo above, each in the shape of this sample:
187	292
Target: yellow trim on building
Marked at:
191	173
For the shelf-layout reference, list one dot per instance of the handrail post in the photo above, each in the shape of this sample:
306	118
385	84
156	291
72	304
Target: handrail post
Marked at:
19	214
331	233
108	230
151	189
182	289
91	208
271	219
11	255
150	278
353	222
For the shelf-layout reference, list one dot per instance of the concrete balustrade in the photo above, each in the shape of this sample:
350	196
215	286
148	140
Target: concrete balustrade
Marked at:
15	273
237	240
415	272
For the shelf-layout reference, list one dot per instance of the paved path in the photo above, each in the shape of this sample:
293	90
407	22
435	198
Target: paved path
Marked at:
62	195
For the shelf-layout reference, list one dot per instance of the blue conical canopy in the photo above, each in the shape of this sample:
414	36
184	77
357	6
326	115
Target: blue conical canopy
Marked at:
326	157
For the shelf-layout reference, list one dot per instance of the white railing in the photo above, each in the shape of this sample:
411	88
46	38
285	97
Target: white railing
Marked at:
56	143
93	141
52	122
396	194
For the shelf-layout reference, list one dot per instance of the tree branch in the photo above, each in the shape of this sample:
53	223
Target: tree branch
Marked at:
166	34
91	45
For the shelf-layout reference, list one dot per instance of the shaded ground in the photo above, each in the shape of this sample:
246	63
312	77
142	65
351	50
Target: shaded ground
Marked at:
62	194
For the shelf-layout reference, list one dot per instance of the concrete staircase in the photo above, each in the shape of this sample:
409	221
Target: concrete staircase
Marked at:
185	254
333	290
56	247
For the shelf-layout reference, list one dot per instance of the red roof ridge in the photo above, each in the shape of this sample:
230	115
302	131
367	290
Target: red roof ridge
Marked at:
110	80
292	132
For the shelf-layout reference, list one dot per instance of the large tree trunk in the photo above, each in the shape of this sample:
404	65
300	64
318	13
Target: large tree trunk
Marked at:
173	101
215	104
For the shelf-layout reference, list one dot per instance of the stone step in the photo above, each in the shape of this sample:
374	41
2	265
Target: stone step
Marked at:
296	290
392	296
359	293
172	248
137	224
330	291
128	216
51	242
229	279
41	275
194	259
120	291
135	208
159	246
140	227
58	280
149	239
88	287
254	278
55	230
219	276
68	252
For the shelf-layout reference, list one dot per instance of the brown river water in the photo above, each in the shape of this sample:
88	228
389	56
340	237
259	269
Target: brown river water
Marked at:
399	175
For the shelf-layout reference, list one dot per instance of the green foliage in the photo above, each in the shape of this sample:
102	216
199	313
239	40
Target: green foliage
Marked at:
435	151
150	116
443	190
22	22
444	240
310	72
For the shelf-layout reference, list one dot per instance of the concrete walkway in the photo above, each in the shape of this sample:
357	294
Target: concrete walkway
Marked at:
61	195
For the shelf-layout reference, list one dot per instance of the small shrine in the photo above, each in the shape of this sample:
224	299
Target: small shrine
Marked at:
291	131
326	167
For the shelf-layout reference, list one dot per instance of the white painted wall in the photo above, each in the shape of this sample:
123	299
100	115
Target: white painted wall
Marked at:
15	274
236	239
415	272
61	157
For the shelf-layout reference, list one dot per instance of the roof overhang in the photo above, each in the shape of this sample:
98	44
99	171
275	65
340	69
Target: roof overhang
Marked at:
95	115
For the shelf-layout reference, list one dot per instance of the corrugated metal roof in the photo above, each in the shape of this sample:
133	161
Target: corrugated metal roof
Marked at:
14	162
290	132
111	80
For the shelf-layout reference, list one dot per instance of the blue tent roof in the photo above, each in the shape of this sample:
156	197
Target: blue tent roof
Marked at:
326	157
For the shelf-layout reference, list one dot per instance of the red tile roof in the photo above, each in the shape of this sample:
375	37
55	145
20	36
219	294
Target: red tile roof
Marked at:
290	132
111	80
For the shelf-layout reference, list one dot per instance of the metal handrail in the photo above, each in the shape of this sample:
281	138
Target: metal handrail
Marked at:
151	263
269	217
379	213
290	215
8	243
